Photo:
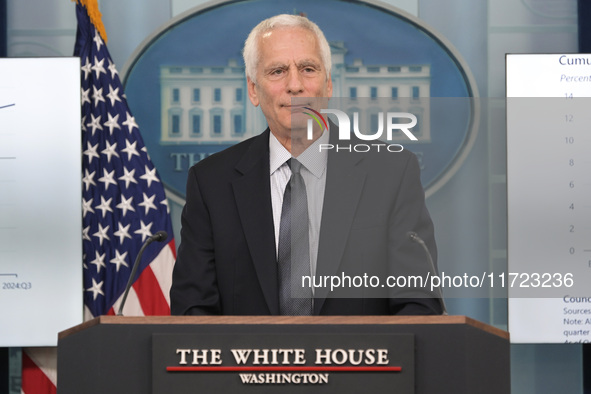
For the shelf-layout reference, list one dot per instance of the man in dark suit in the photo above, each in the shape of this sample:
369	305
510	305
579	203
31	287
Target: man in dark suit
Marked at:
361	206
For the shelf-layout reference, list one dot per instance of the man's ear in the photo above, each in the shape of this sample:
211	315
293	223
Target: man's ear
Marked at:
252	93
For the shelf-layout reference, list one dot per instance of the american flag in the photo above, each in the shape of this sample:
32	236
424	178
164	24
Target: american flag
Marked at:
123	202
123	199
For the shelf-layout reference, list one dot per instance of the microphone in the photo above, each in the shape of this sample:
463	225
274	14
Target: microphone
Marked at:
415	238
159	236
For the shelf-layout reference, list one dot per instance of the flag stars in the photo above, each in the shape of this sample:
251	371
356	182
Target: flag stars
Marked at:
98	40
91	152
108	178
130	149
128	177
87	207
110	151
125	205
144	230
98	67
150	176
96	289
119	260
86	69
130	122
101	234
97	95
85	235
122	232
113	70
105	206
88	179
84	96
99	261
148	203
95	123
112	123
113	93
165	203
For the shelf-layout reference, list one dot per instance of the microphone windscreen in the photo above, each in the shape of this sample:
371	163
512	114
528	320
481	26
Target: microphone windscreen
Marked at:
160	236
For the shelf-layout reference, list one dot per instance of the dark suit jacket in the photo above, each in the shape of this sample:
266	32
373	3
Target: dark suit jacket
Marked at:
227	256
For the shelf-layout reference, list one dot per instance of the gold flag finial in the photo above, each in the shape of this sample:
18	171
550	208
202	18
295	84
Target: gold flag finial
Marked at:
95	16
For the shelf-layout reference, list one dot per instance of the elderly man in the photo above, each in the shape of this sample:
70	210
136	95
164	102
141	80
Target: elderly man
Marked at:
240	253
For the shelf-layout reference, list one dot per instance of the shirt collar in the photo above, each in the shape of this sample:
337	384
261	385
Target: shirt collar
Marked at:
315	159
277	154
312	158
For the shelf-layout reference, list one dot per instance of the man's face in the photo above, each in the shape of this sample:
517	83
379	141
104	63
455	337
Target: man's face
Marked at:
289	66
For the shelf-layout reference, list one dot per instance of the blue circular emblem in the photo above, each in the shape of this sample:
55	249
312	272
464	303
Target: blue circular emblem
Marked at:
187	88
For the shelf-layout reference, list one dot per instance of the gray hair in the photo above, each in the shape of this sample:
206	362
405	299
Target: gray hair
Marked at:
251	50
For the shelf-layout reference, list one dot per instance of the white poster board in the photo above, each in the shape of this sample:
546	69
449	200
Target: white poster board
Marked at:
549	197
40	200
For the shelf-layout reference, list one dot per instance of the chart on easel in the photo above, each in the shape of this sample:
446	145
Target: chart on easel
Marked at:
40	203
549	196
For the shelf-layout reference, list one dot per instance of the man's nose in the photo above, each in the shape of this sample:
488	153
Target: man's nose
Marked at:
294	83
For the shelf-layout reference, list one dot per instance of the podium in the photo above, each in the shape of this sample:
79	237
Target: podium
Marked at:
283	354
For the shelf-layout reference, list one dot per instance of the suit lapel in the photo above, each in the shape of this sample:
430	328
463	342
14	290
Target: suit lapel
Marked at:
252	192
344	183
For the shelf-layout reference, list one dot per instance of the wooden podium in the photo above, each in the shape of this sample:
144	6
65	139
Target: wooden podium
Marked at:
176	354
